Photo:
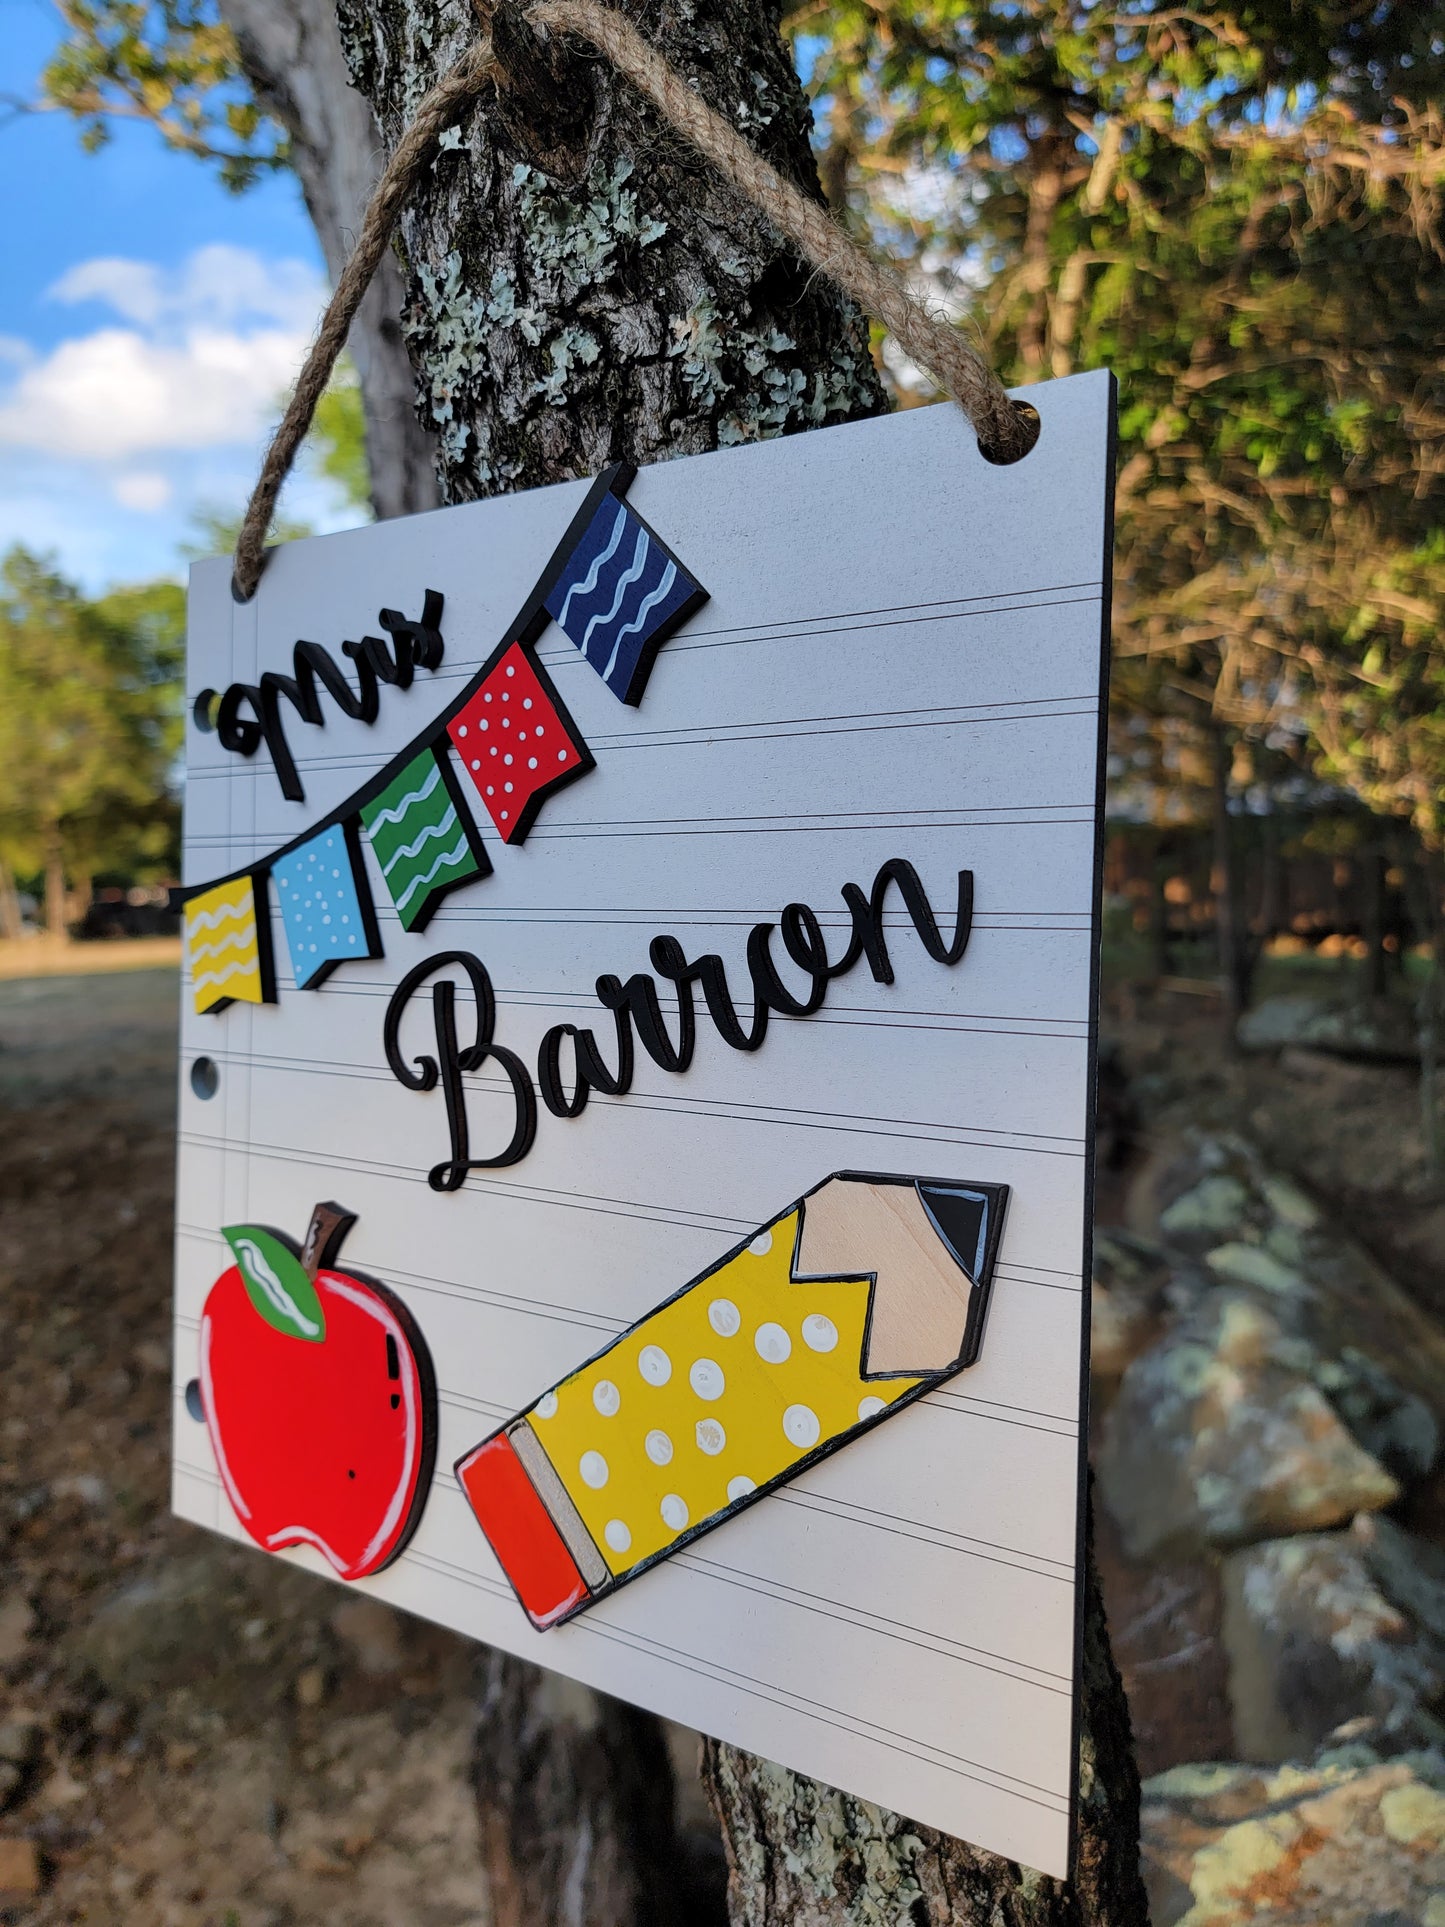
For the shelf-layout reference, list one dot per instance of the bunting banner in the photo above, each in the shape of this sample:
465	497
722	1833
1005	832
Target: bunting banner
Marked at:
619	597
325	904
228	944
516	741
424	838
613	587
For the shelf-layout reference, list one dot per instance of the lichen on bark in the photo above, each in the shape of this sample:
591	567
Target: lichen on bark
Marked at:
585	291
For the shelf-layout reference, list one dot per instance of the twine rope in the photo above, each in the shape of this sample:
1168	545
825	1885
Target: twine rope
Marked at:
1005	432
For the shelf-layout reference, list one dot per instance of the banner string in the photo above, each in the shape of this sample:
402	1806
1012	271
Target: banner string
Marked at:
1006	431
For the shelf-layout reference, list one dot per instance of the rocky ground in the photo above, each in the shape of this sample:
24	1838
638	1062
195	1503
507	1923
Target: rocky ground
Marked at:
1269	1396
1269	1404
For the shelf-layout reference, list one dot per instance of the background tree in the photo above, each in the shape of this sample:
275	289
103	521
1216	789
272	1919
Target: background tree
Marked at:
1237	207
90	721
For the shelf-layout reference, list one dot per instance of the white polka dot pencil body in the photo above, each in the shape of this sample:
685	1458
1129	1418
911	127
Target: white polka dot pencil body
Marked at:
847	1305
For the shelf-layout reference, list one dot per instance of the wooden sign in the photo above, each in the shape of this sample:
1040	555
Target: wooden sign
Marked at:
652	925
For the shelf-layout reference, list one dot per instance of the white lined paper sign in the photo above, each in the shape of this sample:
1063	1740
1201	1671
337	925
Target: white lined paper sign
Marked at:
899	662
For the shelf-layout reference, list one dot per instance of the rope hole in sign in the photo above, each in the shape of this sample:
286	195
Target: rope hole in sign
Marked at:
1032	425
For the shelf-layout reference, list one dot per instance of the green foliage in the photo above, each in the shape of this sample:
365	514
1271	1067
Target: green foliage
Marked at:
173	63
90	722
216	531
337	441
1236	207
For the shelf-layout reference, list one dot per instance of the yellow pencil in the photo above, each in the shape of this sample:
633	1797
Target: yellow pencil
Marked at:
840	1310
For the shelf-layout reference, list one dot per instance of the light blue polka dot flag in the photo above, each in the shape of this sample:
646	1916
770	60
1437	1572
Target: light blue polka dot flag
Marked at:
325	904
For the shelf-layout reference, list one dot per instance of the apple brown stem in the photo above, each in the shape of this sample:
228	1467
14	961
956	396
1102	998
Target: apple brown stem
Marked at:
329	1225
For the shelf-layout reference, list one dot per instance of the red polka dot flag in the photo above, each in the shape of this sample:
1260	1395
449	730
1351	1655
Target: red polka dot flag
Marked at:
516	742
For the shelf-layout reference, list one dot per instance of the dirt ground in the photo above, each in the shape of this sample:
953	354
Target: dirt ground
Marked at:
317	1775
317	1772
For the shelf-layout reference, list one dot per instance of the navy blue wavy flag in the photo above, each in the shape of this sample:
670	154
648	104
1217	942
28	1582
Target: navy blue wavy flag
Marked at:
620	595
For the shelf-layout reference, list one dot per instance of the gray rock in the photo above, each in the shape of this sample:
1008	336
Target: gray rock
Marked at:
1127	1302
85	1486
20	1739
1357	1843
1314	1642
1209	1211
1409	1571
1395	1426
1382	1032
1371	1349
17	1623
167	1629
1218	1438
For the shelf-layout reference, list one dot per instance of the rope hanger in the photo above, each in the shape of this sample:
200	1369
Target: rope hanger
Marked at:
1006	431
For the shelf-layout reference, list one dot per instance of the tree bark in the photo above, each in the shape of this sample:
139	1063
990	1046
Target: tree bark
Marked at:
809	1856
11	923
580	289
291	53
1231	936
56	921
575	1798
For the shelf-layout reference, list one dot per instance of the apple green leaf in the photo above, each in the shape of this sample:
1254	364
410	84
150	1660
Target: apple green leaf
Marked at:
276	1282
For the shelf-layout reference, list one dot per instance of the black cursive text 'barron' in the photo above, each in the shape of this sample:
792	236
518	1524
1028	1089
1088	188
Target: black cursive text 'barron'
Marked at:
572	1062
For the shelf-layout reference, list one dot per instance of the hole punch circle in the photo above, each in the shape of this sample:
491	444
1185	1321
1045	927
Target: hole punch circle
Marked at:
205	1077
193	1401
1033	427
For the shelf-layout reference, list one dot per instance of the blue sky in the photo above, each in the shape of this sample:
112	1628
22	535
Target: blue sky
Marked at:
149	324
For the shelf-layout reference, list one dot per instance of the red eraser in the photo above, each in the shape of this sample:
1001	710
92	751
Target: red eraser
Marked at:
519	1529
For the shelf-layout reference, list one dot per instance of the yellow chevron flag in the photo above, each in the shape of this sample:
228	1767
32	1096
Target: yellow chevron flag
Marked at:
845	1306
226	947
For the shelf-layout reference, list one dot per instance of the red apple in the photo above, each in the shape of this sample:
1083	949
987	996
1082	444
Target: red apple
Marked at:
319	1397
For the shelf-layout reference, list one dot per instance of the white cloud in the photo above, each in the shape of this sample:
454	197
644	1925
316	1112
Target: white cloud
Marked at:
216	287
154	399
214	345
113	395
131	288
143	490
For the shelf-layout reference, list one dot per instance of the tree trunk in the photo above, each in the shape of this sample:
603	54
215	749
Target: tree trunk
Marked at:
581	290
808	1856
575	1797
1377	959
1231	937
55	908
11	922
291	52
